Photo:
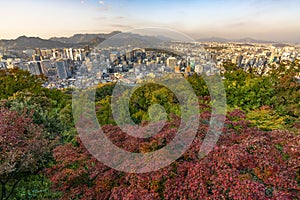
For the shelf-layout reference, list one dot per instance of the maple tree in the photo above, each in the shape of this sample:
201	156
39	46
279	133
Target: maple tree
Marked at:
247	163
22	149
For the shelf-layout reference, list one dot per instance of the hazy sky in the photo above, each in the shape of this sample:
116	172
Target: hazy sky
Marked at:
262	19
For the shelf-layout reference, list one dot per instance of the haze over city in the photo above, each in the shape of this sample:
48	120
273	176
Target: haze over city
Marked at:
268	19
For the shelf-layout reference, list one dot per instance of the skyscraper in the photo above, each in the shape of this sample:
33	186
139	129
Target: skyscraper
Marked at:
61	70
35	68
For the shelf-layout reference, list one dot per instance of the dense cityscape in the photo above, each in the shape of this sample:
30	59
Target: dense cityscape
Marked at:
63	67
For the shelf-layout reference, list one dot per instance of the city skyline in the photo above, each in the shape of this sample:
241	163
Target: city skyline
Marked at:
266	20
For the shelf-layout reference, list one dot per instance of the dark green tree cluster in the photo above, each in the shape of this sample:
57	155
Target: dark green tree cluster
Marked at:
273	97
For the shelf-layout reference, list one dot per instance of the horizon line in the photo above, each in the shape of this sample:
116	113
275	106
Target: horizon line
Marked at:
109	32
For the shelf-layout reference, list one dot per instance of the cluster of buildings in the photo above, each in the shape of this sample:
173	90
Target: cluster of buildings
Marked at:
58	65
259	56
72	67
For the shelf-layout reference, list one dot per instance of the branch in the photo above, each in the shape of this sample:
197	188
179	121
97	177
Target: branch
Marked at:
13	188
2	190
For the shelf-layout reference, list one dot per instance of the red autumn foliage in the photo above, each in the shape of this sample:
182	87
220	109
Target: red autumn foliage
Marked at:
22	149
246	163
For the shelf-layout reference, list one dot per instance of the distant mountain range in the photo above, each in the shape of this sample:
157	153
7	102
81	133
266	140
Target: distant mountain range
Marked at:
24	42
78	40
243	40
81	40
92	40
84	38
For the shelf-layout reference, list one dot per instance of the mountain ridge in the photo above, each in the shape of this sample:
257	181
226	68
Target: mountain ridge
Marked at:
242	40
77	40
92	40
83	37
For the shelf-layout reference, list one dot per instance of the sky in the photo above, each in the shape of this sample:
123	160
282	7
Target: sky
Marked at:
277	20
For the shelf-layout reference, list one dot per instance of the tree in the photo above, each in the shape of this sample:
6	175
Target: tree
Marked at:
266	119
247	90
103	111
198	84
104	90
287	89
22	149
44	111
15	80
246	163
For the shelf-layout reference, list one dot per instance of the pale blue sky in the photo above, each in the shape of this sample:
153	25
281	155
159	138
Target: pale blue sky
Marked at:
262	19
